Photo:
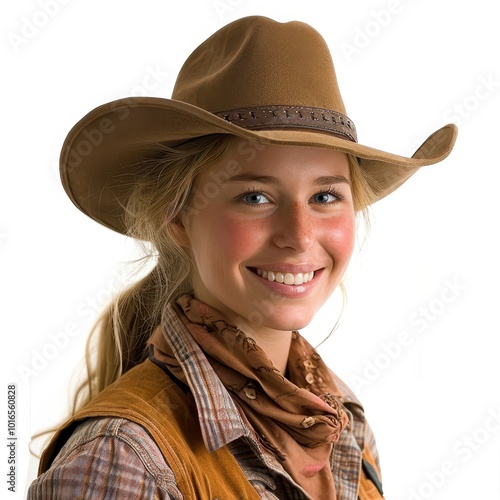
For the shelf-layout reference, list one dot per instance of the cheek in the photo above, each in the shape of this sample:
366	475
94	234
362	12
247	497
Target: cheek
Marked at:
341	236
225	239
239	238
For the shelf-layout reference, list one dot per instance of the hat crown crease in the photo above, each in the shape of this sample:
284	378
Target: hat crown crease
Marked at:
239	65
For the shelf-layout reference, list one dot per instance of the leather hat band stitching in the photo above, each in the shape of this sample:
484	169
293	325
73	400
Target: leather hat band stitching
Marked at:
272	117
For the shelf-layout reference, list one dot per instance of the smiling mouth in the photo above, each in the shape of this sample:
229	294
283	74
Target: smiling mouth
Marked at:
285	278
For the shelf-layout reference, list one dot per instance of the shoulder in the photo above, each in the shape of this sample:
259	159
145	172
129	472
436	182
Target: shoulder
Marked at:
112	458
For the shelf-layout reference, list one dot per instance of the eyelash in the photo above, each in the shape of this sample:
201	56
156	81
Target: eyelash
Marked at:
331	190
334	192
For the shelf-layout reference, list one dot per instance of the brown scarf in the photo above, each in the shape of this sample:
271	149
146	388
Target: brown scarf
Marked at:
298	418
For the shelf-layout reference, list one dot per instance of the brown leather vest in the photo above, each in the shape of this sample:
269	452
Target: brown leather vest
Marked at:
148	397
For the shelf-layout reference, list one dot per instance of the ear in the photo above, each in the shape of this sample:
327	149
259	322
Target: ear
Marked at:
177	231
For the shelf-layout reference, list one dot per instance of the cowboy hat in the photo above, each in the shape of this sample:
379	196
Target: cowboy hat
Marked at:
255	78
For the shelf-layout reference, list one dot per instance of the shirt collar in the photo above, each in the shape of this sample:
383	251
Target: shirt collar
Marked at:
219	417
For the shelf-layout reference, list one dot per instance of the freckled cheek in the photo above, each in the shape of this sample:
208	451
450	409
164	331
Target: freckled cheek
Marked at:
237	239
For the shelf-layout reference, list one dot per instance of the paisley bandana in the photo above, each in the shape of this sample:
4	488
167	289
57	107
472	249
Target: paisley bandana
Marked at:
298	417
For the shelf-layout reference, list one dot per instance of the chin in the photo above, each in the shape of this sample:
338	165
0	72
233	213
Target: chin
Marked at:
285	322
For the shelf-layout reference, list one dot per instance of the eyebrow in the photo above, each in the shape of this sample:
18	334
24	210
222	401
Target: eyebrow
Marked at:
268	179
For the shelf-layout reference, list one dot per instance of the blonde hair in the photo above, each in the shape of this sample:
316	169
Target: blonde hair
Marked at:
161	194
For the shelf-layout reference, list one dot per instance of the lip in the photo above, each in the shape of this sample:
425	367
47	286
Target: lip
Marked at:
283	267
289	291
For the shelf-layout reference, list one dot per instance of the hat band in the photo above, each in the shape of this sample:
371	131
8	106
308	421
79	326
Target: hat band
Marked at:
272	117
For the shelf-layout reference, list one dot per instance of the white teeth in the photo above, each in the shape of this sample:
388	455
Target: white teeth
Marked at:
286	278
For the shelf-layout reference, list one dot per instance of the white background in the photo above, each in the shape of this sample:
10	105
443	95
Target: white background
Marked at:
427	274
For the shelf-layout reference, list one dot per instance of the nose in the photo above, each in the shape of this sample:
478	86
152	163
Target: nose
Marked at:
294	228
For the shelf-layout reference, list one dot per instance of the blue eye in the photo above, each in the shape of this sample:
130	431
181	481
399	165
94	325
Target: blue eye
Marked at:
325	198
255	198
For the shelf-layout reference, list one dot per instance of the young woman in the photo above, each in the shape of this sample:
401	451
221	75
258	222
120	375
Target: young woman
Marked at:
247	185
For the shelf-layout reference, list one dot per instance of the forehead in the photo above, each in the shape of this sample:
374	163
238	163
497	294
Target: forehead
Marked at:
297	160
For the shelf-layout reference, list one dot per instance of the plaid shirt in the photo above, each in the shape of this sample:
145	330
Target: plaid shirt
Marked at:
108	458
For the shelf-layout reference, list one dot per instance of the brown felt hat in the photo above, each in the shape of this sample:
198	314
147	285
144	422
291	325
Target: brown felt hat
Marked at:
254	78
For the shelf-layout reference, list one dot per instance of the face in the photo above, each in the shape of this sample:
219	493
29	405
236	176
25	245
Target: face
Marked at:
271	231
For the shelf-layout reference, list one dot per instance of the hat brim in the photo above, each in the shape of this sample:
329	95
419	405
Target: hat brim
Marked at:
100	155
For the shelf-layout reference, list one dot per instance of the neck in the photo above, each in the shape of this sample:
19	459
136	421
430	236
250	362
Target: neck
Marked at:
275	343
